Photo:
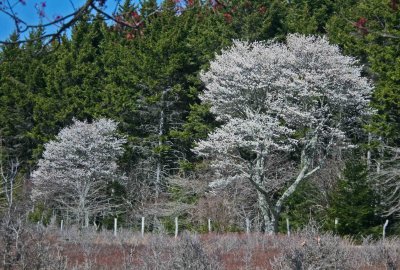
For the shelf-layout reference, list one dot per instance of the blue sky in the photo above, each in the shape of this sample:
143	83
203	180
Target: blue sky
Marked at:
53	8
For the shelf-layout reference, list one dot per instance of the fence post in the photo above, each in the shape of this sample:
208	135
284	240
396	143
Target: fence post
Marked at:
247	225
288	227
384	229
142	230
96	227
86	219
209	225
115	226
176	227
336	224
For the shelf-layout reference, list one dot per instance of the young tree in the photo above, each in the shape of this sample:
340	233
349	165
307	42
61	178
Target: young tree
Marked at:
77	168
300	100
354	202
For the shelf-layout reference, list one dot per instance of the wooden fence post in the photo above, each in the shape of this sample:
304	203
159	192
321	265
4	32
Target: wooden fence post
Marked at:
115	226
336	224
384	229
176	227
86	219
142	227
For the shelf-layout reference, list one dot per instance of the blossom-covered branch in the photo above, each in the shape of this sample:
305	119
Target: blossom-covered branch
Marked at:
303	97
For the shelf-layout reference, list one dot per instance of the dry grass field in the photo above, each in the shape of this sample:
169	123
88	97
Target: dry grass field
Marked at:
46	248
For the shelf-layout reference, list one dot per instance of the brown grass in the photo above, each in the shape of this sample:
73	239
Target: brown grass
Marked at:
231	251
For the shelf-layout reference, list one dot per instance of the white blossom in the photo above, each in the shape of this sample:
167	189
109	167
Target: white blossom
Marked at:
274	98
77	166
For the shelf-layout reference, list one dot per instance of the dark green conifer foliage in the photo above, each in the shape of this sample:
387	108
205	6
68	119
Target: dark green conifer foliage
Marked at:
74	82
13	98
22	79
166	59
166	67
369	30
305	206
309	16
22	72
301	20
148	7
252	20
354	203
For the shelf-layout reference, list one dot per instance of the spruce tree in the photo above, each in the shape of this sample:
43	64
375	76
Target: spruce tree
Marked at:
369	30
354	203
22	79
73	82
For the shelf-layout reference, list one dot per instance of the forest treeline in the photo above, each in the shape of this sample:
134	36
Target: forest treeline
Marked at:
147	79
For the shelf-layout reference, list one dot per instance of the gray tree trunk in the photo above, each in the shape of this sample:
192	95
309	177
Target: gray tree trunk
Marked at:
270	218
160	143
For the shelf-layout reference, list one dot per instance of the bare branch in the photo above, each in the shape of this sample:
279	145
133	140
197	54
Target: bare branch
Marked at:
74	17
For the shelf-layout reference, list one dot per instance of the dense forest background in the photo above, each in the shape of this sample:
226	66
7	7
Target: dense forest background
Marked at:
147	79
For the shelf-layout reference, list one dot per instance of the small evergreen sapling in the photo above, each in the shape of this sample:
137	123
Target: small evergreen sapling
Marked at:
355	203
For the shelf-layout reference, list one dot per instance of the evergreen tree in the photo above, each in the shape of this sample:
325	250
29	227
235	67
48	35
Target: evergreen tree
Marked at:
307	204
309	16
73	83
22	78
160	69
369	30
354	203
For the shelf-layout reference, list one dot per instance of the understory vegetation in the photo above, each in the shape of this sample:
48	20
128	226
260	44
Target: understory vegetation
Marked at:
48	248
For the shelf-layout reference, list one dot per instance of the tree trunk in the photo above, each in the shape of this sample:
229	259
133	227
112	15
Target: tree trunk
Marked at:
86	219
270	218
160	143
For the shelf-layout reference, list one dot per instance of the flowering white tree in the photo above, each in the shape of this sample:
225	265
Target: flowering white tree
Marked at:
77	167
301	97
